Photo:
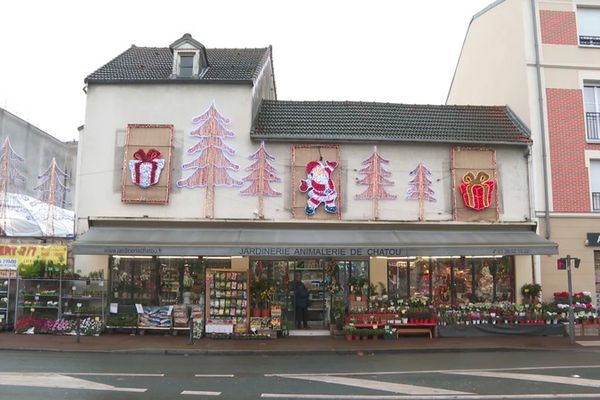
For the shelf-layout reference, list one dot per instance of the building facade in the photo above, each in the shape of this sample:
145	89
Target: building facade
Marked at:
38	148
197	165
542	58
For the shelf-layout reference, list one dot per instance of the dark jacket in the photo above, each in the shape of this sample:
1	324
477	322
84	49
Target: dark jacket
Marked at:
300	295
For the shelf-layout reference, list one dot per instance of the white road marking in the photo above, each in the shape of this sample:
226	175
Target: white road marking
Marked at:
57	381
105	374
459	397
200	393
214	375
440	371
534	378
375	385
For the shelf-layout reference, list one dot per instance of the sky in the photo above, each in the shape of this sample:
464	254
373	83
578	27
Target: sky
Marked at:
396	51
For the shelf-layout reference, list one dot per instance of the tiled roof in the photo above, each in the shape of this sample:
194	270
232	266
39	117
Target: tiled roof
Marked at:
315	121
144	64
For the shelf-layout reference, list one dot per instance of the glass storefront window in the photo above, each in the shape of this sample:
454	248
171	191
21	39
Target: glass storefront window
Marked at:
462	281
456	281
442	281
419	277
160	281
505	278
398	278
133	280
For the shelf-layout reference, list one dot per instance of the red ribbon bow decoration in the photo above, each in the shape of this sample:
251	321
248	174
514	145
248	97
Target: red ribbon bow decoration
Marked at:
477	190
142	157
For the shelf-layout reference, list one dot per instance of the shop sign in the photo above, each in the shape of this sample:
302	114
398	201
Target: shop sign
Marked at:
321	251
593	239
13	255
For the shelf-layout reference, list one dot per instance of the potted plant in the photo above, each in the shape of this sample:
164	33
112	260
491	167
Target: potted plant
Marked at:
350	332
531	292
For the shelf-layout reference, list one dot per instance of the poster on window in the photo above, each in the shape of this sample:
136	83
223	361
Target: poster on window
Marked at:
316	173
475	185
147	164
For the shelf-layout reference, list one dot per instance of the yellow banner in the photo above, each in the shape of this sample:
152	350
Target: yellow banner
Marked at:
12	255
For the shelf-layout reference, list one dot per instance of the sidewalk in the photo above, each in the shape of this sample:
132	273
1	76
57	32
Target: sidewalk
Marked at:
161	344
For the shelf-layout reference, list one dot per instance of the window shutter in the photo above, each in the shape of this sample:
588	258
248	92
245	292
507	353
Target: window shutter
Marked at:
588	21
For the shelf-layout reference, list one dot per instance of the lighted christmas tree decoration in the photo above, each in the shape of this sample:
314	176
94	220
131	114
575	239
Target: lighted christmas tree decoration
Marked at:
11	179
211	166
53	191
419	187
262	173
375	178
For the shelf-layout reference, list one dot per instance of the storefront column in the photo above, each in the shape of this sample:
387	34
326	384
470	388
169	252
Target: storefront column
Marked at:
240	263
523	275
378	271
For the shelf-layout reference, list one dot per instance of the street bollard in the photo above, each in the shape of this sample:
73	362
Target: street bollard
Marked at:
191	322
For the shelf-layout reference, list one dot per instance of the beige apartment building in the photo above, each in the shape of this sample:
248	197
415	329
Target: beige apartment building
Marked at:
542	58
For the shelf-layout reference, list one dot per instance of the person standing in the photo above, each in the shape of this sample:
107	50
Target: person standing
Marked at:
301	295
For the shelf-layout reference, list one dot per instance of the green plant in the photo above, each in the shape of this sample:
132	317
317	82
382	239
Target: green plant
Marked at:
349	330
531	290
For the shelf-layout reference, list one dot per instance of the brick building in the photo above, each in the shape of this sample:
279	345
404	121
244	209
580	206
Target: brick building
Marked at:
542	58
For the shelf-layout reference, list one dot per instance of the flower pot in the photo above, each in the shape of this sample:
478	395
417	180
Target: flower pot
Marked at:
265	312
349	338
255	312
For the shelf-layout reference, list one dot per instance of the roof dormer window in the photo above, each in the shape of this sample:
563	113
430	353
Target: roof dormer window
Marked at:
189	58
186	65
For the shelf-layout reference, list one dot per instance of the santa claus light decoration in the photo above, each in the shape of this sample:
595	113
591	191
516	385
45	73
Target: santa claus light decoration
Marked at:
319	186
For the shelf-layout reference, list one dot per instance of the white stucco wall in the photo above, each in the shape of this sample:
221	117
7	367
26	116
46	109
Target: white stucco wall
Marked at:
110	108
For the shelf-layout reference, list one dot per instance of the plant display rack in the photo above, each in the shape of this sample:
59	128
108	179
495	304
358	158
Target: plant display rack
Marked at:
38	296
6	290
83	298
227	301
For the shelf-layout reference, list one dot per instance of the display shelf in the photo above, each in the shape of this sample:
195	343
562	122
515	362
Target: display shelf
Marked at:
28	289
88	295
5	300
227	300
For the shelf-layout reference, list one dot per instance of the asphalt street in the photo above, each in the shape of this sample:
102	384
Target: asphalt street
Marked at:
446	375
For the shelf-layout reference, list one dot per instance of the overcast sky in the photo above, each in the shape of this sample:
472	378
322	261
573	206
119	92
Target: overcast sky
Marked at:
372	50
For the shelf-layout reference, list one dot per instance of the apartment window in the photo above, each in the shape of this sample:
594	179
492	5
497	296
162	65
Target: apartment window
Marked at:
595	180
186	65
591	95
588	23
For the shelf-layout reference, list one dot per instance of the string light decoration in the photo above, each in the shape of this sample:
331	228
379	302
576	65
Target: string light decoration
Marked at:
211	166
419	187
11	179
262	173
375	179
477	190
52	192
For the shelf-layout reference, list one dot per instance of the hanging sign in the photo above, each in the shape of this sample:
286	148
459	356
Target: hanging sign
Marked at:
477	190
13	255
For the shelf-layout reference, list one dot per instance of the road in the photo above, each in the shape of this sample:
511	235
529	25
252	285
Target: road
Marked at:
449	375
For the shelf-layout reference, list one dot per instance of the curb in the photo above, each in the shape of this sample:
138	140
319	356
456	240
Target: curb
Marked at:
286	352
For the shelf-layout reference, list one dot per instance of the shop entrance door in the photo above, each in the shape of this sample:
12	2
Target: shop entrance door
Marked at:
312	274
